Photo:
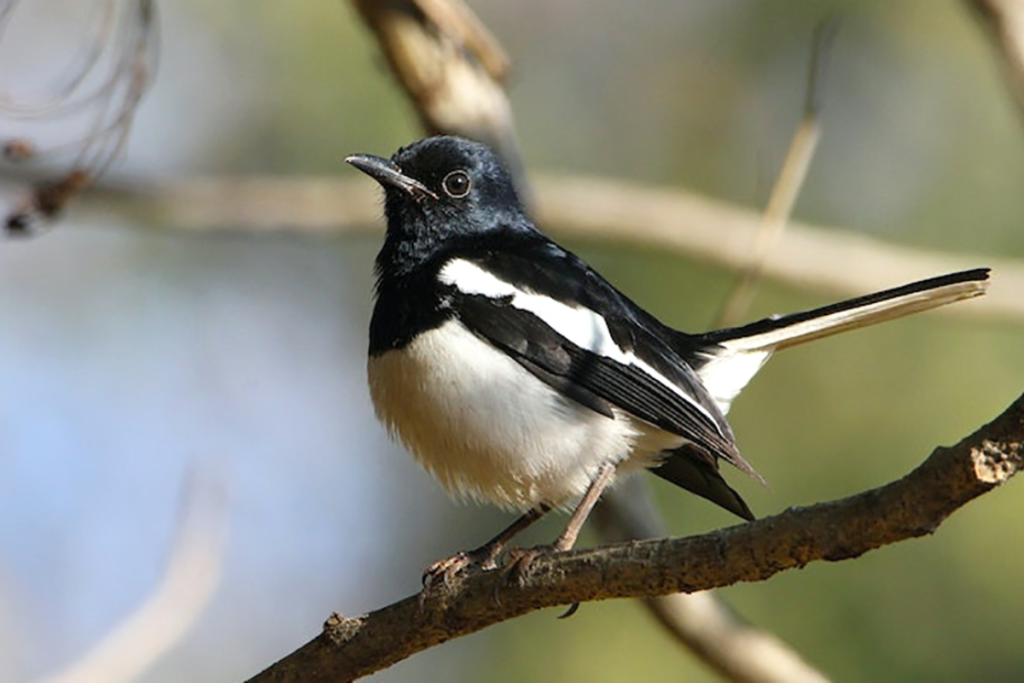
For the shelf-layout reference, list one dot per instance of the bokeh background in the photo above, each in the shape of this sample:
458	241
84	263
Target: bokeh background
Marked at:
131	355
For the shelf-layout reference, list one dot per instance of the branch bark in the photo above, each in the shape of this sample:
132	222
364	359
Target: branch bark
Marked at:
912	506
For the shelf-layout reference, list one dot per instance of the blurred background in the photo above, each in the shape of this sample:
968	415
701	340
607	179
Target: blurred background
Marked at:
132	355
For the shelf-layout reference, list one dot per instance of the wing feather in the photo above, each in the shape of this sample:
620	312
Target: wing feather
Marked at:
594	380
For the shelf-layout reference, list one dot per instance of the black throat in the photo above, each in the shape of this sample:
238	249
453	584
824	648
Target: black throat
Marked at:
406	305
410	298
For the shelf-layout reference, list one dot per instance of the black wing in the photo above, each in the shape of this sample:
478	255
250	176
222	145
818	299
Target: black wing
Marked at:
534	264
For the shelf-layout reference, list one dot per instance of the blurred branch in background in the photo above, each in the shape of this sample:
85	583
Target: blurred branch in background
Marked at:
103	87
452	69
669	220
787	185
910	507
1004	20
169	612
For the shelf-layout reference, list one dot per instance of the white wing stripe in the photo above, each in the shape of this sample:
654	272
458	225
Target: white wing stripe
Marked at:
580	325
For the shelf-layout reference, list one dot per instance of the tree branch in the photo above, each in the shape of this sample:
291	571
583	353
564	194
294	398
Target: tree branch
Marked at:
907	508
737	650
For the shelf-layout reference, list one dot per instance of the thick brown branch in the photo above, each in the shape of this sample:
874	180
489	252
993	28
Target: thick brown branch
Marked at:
910	507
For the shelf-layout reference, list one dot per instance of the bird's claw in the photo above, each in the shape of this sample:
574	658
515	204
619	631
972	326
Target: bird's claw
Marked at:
443	572
520	563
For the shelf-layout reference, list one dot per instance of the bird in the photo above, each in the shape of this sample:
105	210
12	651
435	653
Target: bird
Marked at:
520	377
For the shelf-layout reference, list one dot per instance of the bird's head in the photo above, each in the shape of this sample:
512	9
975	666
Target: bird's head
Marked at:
443	187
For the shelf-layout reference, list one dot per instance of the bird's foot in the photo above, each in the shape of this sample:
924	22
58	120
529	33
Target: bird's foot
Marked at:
520	562
520	566
443	571
441	574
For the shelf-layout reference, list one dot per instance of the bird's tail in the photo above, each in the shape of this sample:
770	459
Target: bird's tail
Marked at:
732	356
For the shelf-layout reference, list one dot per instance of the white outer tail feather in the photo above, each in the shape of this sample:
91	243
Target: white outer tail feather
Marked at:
736	356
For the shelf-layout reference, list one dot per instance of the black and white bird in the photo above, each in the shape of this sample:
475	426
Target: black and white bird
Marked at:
518	376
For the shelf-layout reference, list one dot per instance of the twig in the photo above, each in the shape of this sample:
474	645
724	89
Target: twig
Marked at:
787	185
911	507
192	574
1004	20
105	91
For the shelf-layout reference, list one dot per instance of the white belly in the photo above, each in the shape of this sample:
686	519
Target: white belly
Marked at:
488	430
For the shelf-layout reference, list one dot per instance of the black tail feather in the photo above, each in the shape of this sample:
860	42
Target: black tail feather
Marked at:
690	470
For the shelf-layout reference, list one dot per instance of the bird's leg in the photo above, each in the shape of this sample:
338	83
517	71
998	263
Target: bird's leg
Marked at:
568	538
485	556
520	564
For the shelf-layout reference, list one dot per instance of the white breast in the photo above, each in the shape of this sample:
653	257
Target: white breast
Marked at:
489	430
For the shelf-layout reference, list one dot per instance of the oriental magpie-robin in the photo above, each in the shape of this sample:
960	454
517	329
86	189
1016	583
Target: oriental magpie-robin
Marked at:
519	376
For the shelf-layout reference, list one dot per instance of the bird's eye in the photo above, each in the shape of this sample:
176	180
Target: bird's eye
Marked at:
456	184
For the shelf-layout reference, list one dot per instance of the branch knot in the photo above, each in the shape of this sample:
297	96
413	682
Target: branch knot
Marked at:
996	461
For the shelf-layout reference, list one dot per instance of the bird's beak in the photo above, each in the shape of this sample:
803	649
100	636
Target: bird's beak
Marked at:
385	172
